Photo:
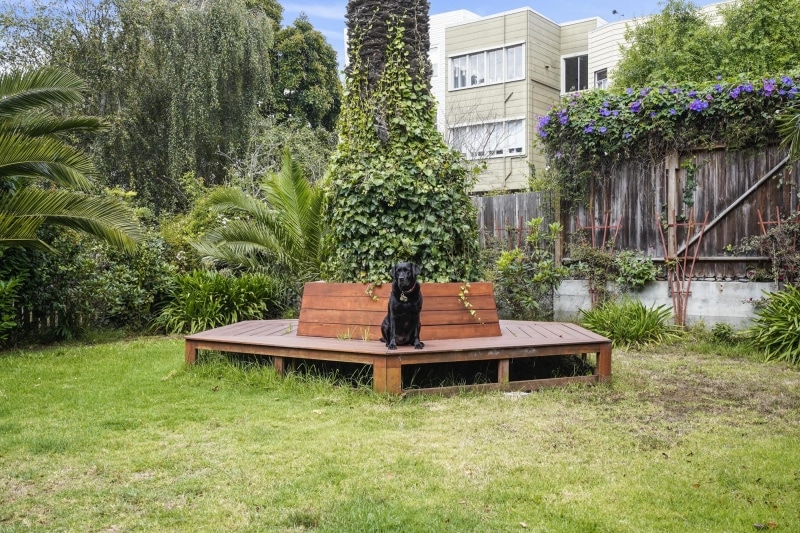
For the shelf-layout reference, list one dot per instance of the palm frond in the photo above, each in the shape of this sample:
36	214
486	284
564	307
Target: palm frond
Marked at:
285	226
42	123
44	157
230	200
23	91
106	218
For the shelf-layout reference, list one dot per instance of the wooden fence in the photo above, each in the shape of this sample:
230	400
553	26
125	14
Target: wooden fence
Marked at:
504	218
739	192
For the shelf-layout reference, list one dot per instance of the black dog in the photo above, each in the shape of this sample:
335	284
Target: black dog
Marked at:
401	326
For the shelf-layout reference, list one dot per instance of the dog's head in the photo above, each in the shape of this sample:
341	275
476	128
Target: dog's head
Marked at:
405	275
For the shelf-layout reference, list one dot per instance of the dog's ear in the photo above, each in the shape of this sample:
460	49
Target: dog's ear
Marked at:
416	269
392	271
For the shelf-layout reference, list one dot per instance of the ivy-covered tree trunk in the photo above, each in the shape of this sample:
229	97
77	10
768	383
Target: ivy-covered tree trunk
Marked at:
396	192
368	25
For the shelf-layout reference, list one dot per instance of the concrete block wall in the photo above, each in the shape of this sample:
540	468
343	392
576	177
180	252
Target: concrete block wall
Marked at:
711	302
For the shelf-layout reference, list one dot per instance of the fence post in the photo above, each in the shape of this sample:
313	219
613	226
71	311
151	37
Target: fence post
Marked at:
673	168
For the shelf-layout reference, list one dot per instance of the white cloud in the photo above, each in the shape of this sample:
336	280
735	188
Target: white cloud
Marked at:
332	12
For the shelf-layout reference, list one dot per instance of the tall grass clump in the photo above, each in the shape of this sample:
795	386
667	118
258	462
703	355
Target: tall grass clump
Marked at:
776	328
204	300
629	324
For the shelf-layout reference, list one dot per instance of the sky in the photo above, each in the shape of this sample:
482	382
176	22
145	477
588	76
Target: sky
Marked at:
328	17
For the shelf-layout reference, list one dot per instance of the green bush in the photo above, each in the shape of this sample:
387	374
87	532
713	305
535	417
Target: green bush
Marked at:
86	286
8	293
776	328
633	270
628	323
526	278
204	300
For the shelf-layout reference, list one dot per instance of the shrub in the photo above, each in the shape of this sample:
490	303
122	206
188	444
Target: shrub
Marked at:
776	328
204	300
8	293
526	278
85	286
633	270
628	323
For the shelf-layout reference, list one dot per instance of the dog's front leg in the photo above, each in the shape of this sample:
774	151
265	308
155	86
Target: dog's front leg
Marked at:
391	342
418	344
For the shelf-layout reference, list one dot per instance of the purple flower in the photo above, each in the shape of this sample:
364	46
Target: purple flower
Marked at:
636	106
787	80
692	93
558	154
629	90
709	97
588	129
644	91
718	87
735	92
627	135
698	105
614	113
747	87
602	129
604	112
769	86
676	90
672	111
653	114
544	120
719	77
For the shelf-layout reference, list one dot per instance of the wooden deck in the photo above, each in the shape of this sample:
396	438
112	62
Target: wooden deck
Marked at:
278	339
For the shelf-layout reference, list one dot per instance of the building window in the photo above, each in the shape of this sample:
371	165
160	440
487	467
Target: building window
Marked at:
494	66
576	73
514	63
490	66
476	69
433	57
601	79
460	72
491	139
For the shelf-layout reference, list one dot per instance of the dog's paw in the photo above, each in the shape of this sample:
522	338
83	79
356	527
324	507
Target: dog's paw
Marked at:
391	345
419	345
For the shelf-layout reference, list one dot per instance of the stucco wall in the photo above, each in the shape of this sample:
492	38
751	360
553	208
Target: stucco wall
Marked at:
711	302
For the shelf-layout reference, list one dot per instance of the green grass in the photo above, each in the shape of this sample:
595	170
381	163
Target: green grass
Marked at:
121	437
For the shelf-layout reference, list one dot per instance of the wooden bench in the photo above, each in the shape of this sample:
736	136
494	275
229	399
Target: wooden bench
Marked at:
341	322
355	311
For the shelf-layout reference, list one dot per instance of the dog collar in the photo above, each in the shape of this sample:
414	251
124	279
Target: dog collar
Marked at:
403	297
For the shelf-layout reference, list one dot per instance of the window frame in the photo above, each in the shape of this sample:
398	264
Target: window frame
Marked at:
579	56
481	63
498	141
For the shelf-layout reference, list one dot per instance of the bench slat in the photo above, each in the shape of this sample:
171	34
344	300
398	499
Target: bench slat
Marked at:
346	310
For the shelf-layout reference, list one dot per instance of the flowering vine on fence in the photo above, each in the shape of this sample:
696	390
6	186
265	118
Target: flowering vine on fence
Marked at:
588	132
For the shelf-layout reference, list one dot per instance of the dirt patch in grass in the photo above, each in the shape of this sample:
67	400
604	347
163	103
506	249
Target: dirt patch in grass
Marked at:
693	384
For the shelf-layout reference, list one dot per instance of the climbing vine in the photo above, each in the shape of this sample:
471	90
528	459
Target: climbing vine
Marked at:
587	133
396	192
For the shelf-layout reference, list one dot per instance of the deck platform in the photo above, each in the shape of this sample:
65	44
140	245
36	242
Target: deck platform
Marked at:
278	339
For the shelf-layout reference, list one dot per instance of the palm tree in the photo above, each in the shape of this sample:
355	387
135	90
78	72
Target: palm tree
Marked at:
281	230
368	23
44	180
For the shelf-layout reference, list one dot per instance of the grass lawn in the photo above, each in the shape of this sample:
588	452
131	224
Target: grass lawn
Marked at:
121	437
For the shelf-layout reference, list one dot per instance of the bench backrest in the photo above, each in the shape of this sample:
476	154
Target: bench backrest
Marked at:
355	311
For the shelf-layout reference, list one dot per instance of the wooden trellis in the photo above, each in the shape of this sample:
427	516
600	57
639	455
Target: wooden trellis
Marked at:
607	227
604	245
680	268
